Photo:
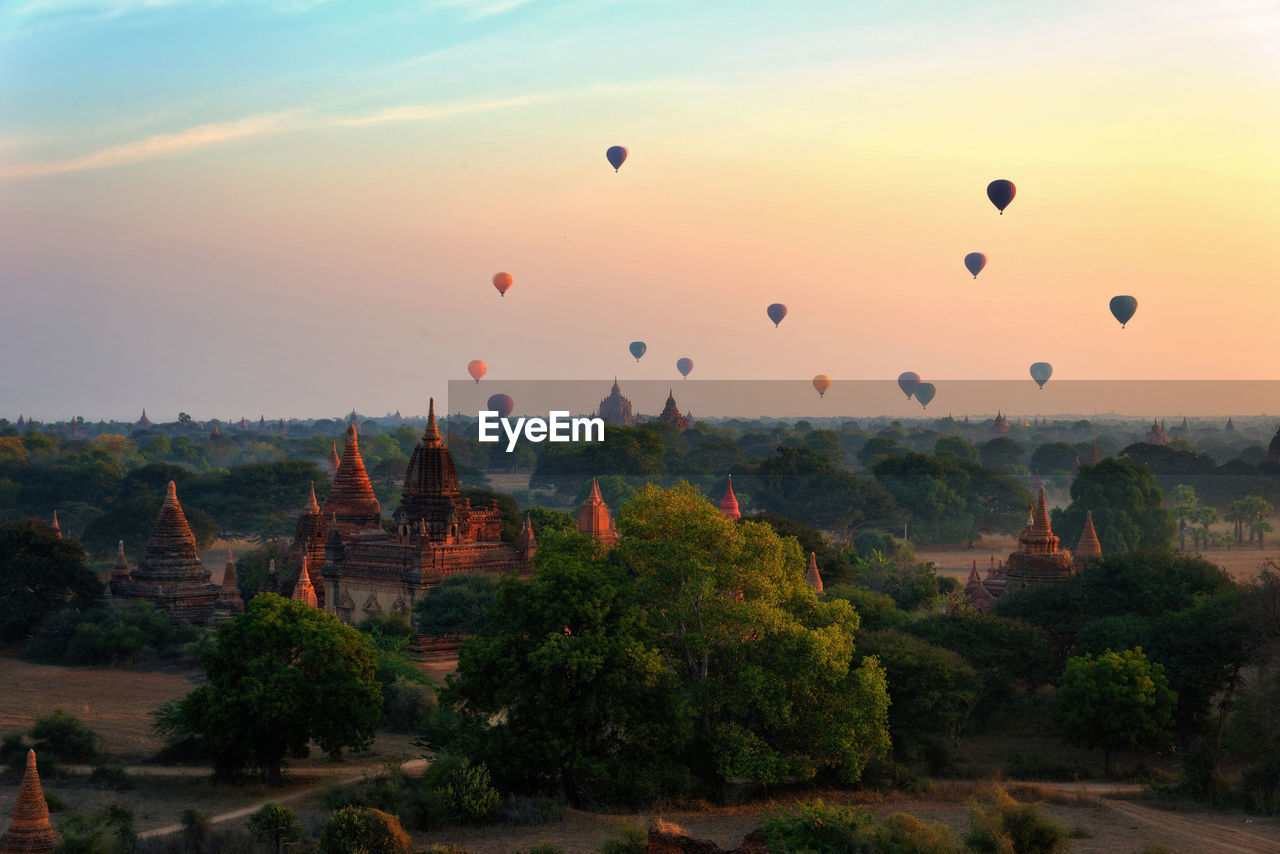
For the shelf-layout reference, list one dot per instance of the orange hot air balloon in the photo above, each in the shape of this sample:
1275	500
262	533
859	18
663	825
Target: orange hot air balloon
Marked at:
503	281
822	382
477	369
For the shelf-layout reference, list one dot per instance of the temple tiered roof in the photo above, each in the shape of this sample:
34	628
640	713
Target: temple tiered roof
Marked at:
170	573
303	590
431	492
729	504
593	517
351	499
1089	546
812	576
30	831
616	409
671	413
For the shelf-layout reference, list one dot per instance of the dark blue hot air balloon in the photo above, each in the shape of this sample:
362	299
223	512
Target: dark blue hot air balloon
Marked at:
776	312
908	382
616	155
638	349
684	366
1123	308
1040	372
502	404
1000	193
925	393
974	262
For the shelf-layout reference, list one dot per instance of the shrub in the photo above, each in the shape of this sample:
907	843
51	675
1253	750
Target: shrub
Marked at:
275	825
465	792
196	827
629	838
1004	826
122	634
818	827
1260	787
111	776
1040	767
54	802
108	831
365	830
522	809
64	738
406	704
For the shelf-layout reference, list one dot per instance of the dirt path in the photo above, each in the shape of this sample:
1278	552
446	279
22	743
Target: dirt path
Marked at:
1201	835
410	767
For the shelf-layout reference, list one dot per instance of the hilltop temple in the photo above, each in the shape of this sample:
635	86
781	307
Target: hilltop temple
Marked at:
616	409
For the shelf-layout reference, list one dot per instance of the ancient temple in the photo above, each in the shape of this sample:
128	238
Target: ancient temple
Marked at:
616	409
309	537
1089	546
144	421
594	520
436	533
1231	425
1000	426
1157	435
729	504
1093	457
170	573
303	590
1273	450
812	576
526	545
120	574
30	831
334	460
229	602
671	414
1038	559
57	529
977	593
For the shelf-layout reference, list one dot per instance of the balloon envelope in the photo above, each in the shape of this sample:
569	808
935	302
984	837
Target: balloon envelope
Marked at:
502	404
637	349
1123	308
925	393
684	366
908	382
477	369
616	155
974	262
1000	193
503	281
1040	372
776	312
822	382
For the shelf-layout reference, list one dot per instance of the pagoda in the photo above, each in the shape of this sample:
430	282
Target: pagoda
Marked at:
1089	548
309	536
229	602
812	576
30	831
436	533
1000	426
1157	434
303	591
120	574
976	592
671	414
1273	450
526	544
729	504
616	409
170	573
1038	559
594	520
143	422
334	460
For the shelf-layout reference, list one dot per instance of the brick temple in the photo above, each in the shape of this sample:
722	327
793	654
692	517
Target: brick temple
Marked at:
29	831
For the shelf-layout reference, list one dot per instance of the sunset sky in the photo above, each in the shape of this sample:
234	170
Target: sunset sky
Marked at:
295	207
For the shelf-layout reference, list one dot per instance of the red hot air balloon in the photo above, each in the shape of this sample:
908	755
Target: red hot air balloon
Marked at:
908	382
616	155
502	404
822	382
477	369
503	282
974	262
1000	193
776	312
684	366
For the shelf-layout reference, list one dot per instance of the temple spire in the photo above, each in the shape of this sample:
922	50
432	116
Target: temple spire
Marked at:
30	831
432	433
1089	546
1042	515
302	590
729	504
812	577
57	529
312	505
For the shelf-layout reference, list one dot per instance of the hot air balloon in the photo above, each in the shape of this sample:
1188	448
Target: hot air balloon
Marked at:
477	369
974	262
908	382
1040	372
616	155
1001	193
776	312
502	281
822	382
684	366
925	393
637	349
502	404
1123	308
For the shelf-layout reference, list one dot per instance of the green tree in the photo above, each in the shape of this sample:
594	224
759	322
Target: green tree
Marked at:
280	675
1116	701
1126	505
361	830
1186	506
276	826
39	573
956	448
456	605
1002	453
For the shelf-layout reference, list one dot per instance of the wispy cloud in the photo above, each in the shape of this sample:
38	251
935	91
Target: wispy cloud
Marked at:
474	10
159	146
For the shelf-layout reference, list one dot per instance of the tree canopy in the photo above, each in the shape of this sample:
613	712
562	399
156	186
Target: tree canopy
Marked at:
39	573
